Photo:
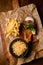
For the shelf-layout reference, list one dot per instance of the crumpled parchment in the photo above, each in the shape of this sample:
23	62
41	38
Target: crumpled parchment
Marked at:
20	14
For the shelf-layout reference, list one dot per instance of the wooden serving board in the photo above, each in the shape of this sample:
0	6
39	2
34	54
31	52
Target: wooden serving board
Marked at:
20	14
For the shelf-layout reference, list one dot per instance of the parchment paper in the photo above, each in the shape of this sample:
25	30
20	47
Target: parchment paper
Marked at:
20	14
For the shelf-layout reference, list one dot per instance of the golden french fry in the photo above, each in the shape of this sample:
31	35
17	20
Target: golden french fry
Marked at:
12	27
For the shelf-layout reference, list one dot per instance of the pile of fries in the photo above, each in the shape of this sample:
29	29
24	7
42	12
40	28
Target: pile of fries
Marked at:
12	27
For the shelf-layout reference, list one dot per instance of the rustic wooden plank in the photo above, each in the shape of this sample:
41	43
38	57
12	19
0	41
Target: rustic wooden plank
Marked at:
9	58
5	5
15	4
4	43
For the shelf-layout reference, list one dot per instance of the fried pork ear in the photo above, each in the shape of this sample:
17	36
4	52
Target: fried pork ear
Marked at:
27	35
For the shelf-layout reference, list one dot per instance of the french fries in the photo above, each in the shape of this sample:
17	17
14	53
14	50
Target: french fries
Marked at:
12	27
